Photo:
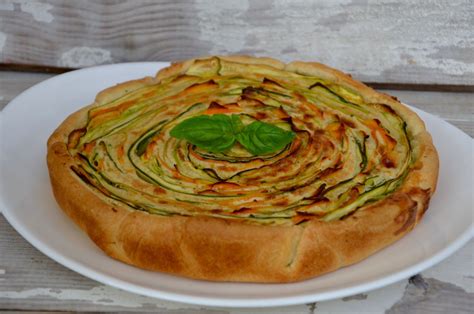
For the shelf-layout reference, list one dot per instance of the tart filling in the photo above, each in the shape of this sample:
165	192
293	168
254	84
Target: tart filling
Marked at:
345	153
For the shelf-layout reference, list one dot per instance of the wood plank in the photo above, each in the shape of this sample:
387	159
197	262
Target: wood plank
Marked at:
455	108
13	83
397	41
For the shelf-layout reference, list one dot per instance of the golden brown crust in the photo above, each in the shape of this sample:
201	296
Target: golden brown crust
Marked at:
121	89
227	250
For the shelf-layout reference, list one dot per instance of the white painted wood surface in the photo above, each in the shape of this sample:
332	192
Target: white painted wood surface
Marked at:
410	41
31	281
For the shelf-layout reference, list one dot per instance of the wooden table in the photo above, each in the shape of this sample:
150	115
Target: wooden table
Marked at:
31	281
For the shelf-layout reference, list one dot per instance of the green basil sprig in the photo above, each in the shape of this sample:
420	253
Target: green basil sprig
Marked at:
261	138
218	133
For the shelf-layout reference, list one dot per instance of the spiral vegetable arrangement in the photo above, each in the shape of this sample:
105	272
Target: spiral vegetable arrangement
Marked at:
243	141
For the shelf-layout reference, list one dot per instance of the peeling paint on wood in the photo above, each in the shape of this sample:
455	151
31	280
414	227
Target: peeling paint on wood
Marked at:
373	40
435	296
428	41
38	10
376	301
100	295
312	307
79	57
459	272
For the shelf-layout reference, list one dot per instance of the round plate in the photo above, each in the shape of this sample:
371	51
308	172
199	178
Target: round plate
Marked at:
29	206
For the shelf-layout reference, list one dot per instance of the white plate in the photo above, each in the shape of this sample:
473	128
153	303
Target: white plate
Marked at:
29	206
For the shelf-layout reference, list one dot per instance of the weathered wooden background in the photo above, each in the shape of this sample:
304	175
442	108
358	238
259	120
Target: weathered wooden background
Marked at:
411	41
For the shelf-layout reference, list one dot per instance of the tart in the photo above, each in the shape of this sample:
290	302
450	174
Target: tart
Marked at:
356	175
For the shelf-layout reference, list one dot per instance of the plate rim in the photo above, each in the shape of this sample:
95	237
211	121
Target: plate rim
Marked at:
226	302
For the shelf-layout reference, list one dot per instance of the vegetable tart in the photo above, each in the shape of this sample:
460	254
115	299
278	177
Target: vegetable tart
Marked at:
236	168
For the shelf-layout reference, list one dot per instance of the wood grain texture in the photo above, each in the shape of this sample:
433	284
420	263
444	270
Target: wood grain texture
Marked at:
456	108
31	281
13	83
427	41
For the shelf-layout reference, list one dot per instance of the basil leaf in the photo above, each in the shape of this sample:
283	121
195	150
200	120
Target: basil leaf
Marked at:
218	133
213	133
261	138
237	125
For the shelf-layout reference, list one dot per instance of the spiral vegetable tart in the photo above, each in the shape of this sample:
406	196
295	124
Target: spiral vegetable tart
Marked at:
289	171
